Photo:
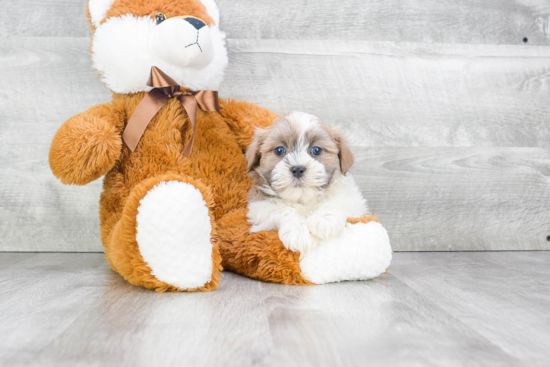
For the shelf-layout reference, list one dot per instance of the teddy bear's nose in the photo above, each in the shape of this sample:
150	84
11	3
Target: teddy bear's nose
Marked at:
197	23
191	40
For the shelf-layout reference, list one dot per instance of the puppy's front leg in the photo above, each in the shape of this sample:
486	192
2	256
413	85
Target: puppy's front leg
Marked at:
345	201
293	230
326	222
295	235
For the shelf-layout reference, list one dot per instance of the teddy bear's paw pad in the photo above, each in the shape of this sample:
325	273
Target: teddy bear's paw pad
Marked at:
173	234
362	251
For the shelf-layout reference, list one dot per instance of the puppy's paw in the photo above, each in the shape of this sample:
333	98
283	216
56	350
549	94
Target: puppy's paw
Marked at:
296	237
326	225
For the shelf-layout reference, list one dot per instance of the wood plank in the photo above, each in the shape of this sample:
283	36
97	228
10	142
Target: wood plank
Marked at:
12	259
49	80
432	309
57	18
505	301
381	94
458	199
347	324
388	94
466	21
171	329
536	261
469	21
44	295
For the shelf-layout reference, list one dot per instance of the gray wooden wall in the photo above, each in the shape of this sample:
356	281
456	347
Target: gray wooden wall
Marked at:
446	106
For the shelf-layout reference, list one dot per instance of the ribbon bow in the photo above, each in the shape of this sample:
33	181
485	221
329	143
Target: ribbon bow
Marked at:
165	88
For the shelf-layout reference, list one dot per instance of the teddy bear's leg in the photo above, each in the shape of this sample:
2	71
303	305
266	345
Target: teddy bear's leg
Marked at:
165	238
361	252
260	256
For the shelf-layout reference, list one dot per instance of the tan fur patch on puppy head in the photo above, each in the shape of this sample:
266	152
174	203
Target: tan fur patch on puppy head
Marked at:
297	156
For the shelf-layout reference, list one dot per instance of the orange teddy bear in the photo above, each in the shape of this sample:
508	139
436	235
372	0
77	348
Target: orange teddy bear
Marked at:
174	202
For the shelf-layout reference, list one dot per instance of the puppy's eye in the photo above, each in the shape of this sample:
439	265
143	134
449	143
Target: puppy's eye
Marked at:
316	151
280	151
159	18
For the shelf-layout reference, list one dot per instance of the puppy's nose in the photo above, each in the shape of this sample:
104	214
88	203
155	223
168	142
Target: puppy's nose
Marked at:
298	171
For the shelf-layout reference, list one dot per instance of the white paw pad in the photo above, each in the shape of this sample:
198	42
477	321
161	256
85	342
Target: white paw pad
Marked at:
362	251
173	234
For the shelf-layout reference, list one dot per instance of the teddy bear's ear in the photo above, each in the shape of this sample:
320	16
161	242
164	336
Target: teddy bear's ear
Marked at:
98	9
212	10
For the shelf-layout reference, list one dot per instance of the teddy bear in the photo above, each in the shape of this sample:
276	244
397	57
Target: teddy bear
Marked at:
173	211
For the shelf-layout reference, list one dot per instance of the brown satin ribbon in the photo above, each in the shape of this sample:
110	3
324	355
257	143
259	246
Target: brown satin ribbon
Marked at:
165	88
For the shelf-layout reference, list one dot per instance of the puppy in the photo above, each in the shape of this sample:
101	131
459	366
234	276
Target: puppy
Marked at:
301	188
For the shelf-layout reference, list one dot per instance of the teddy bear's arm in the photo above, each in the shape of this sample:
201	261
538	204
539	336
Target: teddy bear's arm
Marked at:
87	145
244	117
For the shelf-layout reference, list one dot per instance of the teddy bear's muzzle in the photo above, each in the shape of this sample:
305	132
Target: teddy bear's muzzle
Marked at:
183	42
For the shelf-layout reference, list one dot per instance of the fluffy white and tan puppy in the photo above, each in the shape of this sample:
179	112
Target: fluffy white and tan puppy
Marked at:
301	185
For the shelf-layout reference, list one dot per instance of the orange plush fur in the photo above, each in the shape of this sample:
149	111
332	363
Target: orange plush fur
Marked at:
153	7
217	168
89	145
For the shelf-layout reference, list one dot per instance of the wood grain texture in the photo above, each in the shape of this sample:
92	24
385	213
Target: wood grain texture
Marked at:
468	21
388	94
461	191
381	93
465	283
458	199
43	86
432	309
39	18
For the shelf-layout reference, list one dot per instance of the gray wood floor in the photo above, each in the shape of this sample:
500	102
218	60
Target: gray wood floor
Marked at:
432	309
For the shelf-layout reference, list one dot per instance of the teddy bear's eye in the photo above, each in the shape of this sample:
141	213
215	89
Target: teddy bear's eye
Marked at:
159	18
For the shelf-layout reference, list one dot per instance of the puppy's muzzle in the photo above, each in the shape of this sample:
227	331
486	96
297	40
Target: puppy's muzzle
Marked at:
298	171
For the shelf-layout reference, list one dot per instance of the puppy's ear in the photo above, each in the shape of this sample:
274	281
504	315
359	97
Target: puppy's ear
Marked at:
253	155
344	153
